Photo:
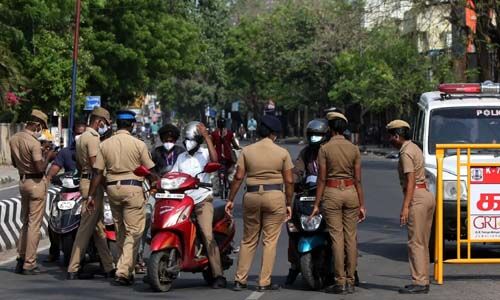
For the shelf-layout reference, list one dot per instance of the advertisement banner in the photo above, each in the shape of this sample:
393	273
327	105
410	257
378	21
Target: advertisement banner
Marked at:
485	203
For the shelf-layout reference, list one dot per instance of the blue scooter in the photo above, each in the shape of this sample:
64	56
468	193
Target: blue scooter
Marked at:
309	239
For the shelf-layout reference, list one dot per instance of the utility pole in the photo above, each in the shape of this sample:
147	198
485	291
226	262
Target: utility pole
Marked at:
74	71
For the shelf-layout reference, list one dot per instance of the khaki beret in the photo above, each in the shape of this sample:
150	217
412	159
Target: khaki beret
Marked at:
397	124
103	113
335	115
41	116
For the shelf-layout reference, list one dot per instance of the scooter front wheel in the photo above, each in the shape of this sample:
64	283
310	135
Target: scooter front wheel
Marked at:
160	267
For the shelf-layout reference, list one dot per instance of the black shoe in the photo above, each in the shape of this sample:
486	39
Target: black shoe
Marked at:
350	288
239	286
219	283
356	278
271	287
336	289
292	276
122	281
34	271
71	276
414	289
51	258
110	274
19	266
145	279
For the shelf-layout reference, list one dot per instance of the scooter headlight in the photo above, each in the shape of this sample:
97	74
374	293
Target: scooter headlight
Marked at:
312	224
172	184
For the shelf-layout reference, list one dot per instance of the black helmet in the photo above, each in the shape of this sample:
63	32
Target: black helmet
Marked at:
317	131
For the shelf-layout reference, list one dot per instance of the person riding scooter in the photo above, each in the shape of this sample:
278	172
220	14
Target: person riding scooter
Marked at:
193	162
306	169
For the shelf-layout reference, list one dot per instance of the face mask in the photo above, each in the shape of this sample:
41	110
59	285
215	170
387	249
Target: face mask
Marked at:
168	146
190	145
77	137
315	138
103	130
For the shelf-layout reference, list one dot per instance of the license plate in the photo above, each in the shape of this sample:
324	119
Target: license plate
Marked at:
307	199
169	196
65	205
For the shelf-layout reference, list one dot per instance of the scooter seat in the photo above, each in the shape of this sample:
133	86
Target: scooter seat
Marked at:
219	210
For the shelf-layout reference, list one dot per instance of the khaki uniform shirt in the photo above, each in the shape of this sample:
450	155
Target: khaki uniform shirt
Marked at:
87	146
25	150
264	162
411	160
339	155
120	155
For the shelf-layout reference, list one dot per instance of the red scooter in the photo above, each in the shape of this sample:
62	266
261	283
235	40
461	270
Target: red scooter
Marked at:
175	245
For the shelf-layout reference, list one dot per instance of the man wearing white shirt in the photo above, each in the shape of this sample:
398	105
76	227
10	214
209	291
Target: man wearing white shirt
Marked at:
193	162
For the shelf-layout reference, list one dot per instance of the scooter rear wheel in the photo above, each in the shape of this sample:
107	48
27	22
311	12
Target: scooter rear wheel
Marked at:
159	277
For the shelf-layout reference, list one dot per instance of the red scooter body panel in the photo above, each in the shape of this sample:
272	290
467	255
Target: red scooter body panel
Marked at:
165	240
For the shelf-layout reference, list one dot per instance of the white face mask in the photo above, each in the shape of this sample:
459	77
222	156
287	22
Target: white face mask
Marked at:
190	145
168	146
103	130
315	138
77	137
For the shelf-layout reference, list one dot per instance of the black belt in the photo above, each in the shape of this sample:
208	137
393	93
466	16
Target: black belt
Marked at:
32	176
87	176
126	182
265	187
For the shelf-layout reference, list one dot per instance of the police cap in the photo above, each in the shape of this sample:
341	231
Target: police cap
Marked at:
41	116
271	122
125	115
397	124
102	113
335	115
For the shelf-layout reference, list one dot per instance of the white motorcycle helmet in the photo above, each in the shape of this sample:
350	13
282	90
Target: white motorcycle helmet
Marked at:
192	138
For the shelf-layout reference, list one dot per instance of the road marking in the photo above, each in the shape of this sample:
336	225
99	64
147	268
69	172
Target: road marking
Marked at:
9	187
255	296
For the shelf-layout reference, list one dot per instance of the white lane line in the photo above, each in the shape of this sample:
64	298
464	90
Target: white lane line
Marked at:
254	296
9	187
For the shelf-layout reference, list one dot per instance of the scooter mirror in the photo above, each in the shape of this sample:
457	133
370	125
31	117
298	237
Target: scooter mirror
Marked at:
142	171
211	167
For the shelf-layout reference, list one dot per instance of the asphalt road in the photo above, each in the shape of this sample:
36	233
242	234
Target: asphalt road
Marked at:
383	265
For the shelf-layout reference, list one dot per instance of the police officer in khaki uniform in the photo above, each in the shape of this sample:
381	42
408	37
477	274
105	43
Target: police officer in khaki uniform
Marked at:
91	224
265	207
339	188
31	161
418	205
119	156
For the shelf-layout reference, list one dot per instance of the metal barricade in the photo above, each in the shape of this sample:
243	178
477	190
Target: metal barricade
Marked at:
483	201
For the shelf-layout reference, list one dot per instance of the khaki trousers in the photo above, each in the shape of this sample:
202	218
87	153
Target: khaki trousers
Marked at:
91	226
205	216
419	231
127	206
341	212
33	198
263	212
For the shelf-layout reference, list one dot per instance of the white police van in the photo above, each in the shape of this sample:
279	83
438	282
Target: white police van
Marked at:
457	114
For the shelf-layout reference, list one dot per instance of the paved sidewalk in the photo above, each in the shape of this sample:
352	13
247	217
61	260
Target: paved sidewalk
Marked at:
8	174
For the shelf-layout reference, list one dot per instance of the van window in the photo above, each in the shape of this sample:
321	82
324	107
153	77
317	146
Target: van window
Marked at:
418	129
464	125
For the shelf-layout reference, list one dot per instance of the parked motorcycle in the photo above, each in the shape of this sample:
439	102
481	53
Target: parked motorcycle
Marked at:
175	245
313	242
65	215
